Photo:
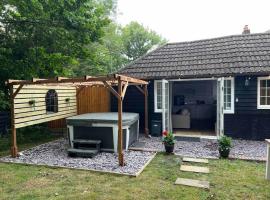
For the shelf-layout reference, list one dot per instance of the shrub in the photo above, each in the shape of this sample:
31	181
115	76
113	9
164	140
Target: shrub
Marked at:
224	146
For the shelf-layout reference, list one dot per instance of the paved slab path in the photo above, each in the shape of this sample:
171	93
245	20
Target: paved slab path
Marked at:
192	183
197	169
196	160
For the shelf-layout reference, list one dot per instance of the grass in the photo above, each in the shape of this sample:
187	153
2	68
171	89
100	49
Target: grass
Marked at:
229	179
26	138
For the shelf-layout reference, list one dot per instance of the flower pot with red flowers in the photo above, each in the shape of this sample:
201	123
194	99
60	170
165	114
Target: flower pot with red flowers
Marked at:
168	141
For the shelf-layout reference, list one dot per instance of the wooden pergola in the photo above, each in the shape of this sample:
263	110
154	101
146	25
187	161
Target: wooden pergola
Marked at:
110	82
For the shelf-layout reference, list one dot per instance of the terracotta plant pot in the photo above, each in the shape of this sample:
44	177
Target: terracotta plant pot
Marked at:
169	148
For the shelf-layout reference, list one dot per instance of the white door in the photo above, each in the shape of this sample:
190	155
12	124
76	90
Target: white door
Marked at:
165	106
220	106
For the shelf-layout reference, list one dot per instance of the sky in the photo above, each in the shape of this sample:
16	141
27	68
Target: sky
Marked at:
186	20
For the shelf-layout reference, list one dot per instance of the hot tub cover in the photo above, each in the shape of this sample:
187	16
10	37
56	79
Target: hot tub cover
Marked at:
106	118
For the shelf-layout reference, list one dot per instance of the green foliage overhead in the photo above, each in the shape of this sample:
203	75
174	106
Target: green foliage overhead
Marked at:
119	46
46	38
138	40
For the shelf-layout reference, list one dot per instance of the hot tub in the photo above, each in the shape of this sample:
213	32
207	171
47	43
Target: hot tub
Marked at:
104	127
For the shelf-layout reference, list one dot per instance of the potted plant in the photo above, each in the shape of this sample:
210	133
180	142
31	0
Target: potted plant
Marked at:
224	146
168	141
32	103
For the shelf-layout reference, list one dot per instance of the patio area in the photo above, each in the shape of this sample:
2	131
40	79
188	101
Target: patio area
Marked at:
55	154
206	148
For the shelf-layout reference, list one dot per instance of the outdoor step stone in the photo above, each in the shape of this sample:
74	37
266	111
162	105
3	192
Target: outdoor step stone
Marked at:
196	160
192	183
197	169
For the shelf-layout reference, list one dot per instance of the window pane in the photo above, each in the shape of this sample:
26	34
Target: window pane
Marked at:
267	101
263	83
263	91
267	92
228	106
229	98
267	83
227	94
228	90
158	95
263	100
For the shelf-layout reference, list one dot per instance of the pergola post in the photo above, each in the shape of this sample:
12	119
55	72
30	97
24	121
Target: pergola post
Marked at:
14	148
146	130
120	130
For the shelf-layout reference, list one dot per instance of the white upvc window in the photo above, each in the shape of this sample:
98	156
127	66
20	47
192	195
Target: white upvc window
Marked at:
158	95
263	93
228	106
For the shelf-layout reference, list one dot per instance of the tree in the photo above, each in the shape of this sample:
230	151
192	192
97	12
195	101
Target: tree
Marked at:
107	55
138	40
119	46
47	38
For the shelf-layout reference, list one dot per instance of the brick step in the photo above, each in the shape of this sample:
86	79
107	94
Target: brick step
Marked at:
86	153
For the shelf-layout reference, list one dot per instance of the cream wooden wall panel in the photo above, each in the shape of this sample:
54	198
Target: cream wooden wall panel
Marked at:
43	91
41	116
26	115
43	112
38	104
41	99
40	87
60	94
20	125
39	108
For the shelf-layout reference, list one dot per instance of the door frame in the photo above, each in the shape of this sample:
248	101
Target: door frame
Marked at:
199	79
165	122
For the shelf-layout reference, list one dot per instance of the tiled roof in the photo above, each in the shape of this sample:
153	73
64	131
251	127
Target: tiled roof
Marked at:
224	56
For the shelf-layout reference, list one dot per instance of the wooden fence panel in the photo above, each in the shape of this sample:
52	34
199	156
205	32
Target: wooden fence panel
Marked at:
89	99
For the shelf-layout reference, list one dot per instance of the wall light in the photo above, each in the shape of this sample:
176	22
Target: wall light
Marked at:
247	81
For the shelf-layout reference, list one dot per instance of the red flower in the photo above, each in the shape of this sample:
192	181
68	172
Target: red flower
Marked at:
165	133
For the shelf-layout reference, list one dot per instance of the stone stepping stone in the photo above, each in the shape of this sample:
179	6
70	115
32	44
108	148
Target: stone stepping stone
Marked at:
189	168
196	160
192	183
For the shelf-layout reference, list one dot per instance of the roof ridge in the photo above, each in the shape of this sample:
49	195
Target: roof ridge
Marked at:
217	38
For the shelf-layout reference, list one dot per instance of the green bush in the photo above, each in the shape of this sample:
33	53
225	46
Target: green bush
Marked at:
224	146
4	103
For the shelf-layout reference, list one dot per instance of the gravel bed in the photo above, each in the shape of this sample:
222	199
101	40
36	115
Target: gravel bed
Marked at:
242	149
55	154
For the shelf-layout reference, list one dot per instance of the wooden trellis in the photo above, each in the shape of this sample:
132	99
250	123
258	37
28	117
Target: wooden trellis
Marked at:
22	91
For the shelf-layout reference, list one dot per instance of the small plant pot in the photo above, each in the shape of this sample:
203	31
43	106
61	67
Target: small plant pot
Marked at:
224	153
169	148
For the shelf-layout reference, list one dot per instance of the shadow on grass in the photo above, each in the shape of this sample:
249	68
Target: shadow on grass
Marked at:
26	138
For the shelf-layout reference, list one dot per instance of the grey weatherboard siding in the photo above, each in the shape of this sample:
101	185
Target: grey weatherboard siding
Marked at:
247	122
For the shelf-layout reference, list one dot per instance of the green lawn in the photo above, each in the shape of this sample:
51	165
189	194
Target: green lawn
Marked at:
27	137
229	180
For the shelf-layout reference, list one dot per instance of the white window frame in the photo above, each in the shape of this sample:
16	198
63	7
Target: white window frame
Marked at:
157	110
259	106
229	111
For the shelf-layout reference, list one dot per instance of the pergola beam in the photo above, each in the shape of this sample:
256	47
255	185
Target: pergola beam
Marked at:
117	95
13	95
59	80
124	90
